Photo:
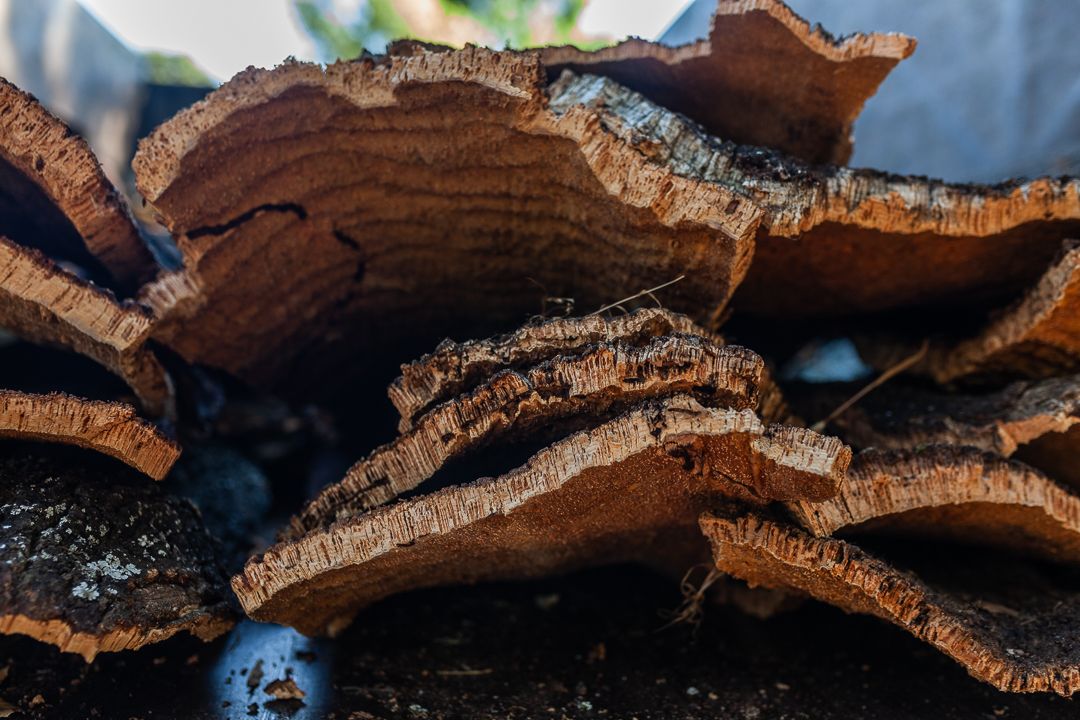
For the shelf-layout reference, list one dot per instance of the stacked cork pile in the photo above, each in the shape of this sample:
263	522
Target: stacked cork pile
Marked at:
668	203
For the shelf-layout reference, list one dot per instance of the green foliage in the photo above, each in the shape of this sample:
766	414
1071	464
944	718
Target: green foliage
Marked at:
513	22
166	69
378	23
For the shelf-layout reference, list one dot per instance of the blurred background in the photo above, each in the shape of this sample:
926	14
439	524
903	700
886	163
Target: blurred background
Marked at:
114	69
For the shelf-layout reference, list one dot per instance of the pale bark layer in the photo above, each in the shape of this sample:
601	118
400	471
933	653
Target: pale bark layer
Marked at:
627	490
1021	641
40	157
45	304
959	494
763	76
110	428
399	199
603	379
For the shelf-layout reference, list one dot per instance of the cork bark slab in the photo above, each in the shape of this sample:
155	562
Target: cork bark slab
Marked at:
763	76
1037	337
55	197
455	367
1035	420
623	491
106	427
833	238
1021	638
45	304
400	199
954	493
604	379
96	559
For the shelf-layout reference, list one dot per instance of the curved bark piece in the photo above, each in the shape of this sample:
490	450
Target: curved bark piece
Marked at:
1037	337
606	378
763	76
454	368
902	416
625	491
43	303
960	493
55	196
106	427
833	237
1025	641
95	559
402	199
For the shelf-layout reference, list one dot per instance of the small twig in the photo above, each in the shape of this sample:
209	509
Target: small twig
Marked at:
690	611
881	379
464	673
635	296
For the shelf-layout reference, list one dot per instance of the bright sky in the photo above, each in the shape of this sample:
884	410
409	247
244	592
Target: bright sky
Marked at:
225	36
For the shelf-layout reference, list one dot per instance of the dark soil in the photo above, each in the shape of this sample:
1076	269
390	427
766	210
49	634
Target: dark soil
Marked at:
587	646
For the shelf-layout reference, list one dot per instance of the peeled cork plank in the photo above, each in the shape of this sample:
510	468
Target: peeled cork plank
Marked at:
628	490
763	76
832	238
1037	337
1019	636
1035	420
962	494
42	303
107	427
94	558
605	378
455	367
55	197
398	200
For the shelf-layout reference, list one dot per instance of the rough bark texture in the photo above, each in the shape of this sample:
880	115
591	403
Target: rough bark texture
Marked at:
833	237
605	379
900	416
55	196
106	427
1037	337
764	76
960	494
43	303
1021	638
454	368
319	174
622	492
95	559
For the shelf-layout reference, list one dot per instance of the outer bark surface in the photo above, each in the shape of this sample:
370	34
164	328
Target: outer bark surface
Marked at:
55	196
604	379
1020	639
316	176
1034	420
45	304
623	491
94	559
455	367
956	493
106	427
833	237
763	77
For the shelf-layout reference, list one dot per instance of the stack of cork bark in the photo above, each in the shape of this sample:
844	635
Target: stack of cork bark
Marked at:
625	218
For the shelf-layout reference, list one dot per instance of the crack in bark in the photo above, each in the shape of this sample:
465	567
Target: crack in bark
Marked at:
211	230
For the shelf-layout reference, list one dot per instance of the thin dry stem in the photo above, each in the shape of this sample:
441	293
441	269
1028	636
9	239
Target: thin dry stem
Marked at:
881	379
637	295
